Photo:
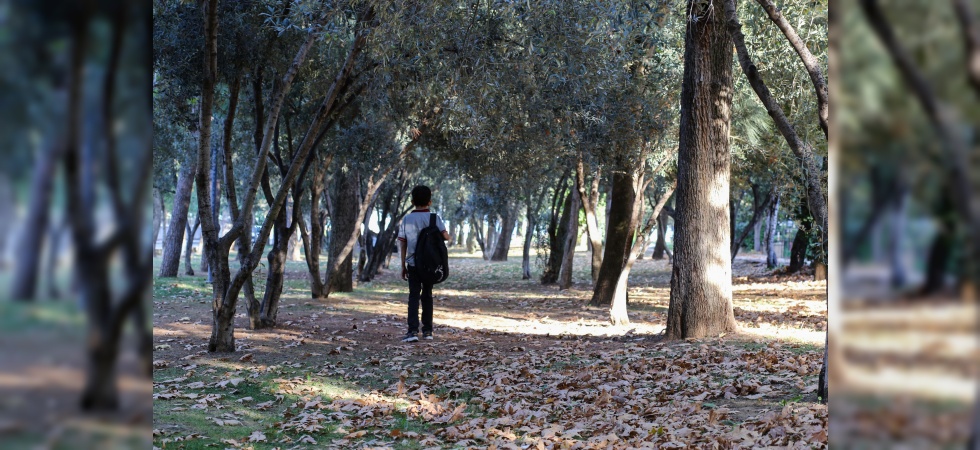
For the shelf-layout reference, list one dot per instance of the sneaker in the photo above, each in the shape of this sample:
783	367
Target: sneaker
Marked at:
410	337
427	335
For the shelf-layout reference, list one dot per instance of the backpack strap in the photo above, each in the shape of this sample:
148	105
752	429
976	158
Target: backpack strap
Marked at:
432	219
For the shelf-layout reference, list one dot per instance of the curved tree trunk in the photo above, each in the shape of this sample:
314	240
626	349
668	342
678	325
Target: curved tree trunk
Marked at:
507	223
28	249
618	237
557	233
189	246
170	262
590	201
700	285
661	245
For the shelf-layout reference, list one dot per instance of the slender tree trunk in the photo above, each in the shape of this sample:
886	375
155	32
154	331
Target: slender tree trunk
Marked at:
189	246
590	201
772	259
530	223
757	236
27	253
507	224
157	218
170	262
492	237
54	251
471	238
558	233
895	236
618	237
661	245
571	234
700	285
476	226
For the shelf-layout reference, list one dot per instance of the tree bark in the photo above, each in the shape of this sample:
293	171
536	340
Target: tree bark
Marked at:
571	234
590	201
28	248
226	289
157	217
772	218
189	246
507	223
700	285
618	314
661	245
170	263
492	237
619	231
557	232
343	224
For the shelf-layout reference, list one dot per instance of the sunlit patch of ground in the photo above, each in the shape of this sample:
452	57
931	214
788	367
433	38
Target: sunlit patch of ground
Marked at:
909	367
334	374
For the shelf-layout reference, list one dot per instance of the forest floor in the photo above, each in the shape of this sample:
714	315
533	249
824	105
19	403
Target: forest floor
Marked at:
42	372
514	364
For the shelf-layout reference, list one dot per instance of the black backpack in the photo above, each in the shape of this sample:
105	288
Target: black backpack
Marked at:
431	256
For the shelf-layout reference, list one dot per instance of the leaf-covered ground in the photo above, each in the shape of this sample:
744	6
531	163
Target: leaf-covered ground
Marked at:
513	365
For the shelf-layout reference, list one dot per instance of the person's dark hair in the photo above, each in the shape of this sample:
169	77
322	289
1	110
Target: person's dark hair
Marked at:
421	195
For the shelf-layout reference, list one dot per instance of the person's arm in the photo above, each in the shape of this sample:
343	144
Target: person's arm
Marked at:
403	247
445	235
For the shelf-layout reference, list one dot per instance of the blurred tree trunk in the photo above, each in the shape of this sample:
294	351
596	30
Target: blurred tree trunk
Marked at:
189	246
757	236
54	250
507	223
492	237
28	247
661	245
895	236
170	262
801	241
772	218
700	285
471	237
157	217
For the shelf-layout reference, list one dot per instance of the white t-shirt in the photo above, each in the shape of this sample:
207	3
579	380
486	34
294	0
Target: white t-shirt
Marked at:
408	232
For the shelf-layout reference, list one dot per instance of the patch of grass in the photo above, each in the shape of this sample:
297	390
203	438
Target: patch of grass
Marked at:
48	315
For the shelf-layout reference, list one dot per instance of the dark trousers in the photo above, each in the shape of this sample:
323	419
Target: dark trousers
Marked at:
417	290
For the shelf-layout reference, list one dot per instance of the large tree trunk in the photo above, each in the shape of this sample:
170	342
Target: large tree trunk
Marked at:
700	285
170	262
344	223
568	253
507	223
772	218
189	246
621	226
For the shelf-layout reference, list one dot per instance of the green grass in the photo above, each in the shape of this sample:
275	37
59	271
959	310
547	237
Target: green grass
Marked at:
44	315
